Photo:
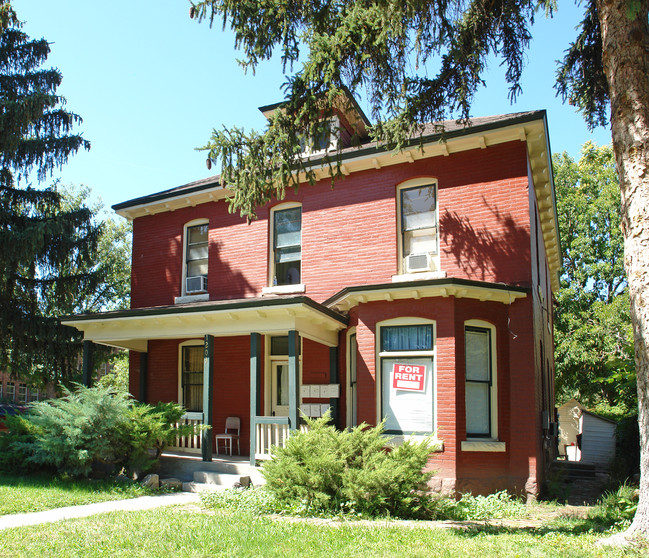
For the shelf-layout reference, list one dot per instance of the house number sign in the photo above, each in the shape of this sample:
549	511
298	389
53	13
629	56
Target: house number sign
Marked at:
411	377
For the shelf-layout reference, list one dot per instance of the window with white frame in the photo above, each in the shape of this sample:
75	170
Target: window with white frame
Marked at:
191	377
325	138
287	246
480	380
22	393
406	356
418	225
11	391
196	258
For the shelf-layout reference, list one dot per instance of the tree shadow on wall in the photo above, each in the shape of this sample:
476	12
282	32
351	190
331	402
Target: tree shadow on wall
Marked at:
225	282
499	255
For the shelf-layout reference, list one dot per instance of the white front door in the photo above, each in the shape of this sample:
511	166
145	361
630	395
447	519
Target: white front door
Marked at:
279	389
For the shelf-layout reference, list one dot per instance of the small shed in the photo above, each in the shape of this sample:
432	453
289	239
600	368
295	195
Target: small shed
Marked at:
585	436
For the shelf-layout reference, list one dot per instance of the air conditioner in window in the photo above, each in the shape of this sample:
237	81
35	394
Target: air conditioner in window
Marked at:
418	262
196	284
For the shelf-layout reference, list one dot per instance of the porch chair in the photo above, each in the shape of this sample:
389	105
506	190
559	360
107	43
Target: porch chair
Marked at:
231	424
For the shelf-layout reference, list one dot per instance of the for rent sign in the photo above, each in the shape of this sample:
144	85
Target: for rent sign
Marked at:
410	377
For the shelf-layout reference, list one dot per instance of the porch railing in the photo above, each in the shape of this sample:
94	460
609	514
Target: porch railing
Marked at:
269	432
189	444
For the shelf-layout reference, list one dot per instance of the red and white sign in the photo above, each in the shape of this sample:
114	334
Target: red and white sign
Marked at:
411	377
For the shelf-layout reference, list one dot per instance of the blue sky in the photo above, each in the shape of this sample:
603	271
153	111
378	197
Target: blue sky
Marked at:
151	84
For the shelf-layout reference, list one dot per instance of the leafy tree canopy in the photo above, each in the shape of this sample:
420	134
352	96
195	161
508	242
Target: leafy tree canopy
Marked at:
593	332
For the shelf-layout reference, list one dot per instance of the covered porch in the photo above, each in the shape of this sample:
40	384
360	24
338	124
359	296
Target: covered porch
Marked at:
306	332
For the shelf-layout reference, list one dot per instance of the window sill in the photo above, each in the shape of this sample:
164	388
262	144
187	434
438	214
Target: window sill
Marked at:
487	446
191	298
283	289
436	444
418	276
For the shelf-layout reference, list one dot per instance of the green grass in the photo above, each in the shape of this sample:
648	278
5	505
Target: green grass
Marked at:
179	532
33	493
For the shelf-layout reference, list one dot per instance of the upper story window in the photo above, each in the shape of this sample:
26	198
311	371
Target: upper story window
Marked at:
287	246
326	137
196	258
418	226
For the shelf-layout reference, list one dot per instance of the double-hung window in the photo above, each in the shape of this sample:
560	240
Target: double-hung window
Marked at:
287	246
407	378
418	219
196	256
479	382
11	391
192	377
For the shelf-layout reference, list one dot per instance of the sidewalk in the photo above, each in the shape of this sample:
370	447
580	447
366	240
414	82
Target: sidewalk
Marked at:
72	512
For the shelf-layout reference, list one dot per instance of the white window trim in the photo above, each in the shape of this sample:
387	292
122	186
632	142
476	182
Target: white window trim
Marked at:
184	297
189	343
404	321
492	443
282	289
402	274
334	139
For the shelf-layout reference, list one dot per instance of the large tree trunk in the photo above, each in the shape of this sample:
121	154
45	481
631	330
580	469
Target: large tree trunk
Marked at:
625	53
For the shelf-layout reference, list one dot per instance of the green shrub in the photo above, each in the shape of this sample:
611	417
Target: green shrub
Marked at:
16	444
617	508
499	505
325	471
92	427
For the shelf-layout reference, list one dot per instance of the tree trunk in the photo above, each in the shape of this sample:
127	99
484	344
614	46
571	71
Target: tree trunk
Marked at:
625	54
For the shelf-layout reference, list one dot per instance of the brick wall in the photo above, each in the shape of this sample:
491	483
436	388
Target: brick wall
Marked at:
349	233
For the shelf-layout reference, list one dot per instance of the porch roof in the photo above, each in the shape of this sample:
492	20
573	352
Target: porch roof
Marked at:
132	329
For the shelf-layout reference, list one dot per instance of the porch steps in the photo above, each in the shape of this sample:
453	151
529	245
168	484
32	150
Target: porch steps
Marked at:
198	475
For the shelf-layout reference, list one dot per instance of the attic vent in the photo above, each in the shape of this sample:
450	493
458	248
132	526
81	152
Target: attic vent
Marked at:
417	262
196	284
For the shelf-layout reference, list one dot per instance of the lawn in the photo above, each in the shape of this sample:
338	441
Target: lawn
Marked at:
33	493
181	532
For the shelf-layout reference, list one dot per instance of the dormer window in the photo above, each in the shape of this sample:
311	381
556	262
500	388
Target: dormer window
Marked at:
325	139
196	257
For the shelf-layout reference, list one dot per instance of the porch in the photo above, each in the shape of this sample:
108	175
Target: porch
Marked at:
268	432
152	333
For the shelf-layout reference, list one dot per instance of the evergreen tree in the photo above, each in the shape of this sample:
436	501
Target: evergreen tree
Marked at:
382	47
39	239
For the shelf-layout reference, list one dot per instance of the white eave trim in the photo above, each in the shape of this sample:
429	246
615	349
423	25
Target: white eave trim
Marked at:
134	331
402	291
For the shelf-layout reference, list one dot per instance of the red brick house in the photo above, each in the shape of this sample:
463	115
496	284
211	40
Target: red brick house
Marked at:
417	290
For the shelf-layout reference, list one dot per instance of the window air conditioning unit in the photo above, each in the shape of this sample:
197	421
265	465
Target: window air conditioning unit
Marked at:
418	262
196	284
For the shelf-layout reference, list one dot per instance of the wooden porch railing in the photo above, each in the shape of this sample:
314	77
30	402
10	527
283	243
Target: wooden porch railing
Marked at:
189	444
269	432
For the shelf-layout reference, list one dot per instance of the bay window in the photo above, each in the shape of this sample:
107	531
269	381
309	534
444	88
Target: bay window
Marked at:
406	357
480	394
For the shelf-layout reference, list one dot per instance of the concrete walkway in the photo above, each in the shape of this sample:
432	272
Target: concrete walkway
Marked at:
72	512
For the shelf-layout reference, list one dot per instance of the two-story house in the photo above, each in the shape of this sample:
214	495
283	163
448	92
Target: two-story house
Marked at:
417	291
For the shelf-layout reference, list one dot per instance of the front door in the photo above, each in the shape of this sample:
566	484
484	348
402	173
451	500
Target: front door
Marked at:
279	389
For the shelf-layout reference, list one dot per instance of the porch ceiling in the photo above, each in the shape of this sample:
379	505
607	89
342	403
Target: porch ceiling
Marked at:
132	329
